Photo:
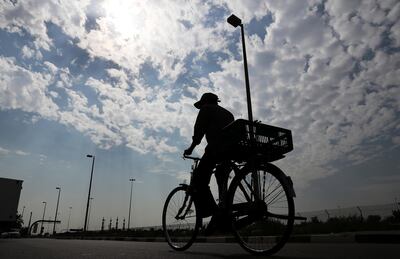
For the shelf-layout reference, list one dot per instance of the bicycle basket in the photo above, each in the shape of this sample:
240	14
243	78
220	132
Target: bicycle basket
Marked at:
269	142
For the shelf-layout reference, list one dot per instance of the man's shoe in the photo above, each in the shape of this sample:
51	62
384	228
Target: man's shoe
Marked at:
212	226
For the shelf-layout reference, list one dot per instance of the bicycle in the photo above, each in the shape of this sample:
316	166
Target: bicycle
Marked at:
259	200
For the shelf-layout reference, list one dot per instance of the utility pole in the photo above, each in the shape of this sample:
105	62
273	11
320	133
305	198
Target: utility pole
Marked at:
29	224
327	213
90	187
44	212
359	209
55	217
22	215
69	217
130	203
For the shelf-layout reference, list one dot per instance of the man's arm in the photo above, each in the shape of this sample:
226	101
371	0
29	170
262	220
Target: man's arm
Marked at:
189	151
199	131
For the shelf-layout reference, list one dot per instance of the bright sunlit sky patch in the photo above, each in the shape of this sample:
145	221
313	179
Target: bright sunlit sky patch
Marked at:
118	79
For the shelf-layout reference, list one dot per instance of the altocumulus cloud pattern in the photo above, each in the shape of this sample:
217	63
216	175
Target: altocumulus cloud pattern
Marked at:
127	72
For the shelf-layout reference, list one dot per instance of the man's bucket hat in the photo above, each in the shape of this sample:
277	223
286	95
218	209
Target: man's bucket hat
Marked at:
206	98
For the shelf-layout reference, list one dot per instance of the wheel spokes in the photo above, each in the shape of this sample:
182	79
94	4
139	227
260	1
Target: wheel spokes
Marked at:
262	224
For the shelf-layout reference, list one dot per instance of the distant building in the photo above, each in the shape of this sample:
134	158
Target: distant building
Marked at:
10	190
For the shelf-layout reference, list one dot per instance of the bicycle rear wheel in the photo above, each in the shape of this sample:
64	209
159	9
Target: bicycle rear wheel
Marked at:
262	225
180	219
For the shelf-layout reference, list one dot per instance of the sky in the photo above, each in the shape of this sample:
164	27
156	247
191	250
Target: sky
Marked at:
117	79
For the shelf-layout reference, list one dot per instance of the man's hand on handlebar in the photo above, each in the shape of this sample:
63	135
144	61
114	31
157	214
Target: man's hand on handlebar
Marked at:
187	152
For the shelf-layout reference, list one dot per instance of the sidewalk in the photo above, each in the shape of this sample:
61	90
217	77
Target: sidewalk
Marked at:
350	237
389	237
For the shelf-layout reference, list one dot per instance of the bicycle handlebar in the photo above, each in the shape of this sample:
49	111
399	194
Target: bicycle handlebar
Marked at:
191	157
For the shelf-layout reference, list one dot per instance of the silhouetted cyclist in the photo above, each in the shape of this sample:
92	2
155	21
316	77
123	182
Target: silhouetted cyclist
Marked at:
211	119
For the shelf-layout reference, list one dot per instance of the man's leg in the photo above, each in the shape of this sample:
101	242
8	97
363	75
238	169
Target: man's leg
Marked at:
221	175
201	180
220	217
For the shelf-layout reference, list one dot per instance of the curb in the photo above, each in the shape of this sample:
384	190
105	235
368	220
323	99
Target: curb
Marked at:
386	238
378	238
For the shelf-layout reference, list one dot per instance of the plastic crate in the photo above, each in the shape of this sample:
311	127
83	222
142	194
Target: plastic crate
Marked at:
269	142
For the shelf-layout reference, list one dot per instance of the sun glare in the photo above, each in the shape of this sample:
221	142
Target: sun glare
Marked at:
126	18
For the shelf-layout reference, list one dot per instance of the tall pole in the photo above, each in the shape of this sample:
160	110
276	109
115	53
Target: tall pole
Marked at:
90	187
90	209
47	228
130	203
69	217
55	217
327	213
359	209
22	215
29	223
236	21
44	211
246	75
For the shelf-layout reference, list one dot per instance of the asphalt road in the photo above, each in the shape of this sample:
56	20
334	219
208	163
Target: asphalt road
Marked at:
88	249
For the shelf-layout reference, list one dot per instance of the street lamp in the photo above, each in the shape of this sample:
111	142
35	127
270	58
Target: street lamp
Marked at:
69	217
44	211
90	209
55	217
90	187
130	203
235	22
22	214
29	223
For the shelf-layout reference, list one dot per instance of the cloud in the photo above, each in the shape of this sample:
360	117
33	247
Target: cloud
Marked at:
25	90
312	74
327	70
143	121
31	17
4	151
42	159
129	34
132	33
21	153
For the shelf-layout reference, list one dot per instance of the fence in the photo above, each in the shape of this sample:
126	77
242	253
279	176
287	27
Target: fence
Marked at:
383	210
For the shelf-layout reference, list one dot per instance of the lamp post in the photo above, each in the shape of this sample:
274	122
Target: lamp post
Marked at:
22	214
44	211
47	227
69	217
29	223
90	209
327	213
359	209
90	187
235	22
55	217
130	203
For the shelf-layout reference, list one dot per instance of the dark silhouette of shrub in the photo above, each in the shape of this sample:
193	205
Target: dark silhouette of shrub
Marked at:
315	220
396	215
373	219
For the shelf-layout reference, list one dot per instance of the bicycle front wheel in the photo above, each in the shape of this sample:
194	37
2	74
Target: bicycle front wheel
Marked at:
180	219
262	218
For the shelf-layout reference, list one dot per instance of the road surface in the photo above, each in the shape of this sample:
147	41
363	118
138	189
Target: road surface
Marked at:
99	249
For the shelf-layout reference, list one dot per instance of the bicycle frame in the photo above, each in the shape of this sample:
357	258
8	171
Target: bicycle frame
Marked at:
254	197
236	168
